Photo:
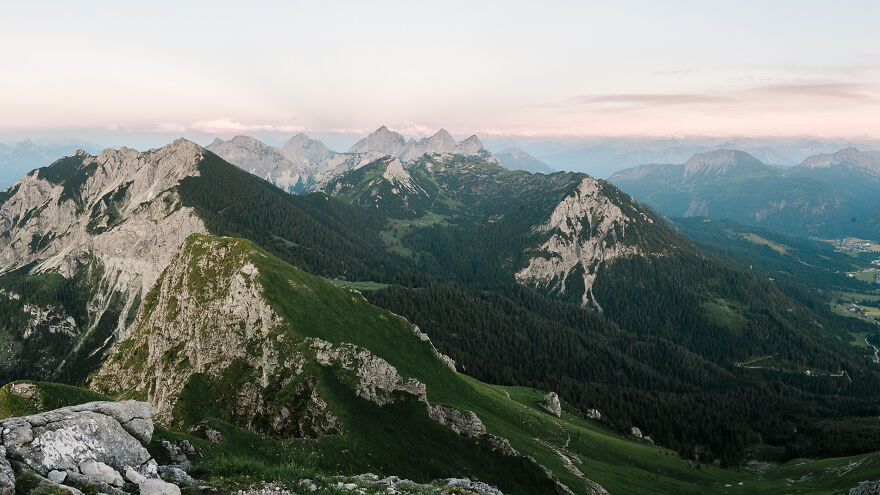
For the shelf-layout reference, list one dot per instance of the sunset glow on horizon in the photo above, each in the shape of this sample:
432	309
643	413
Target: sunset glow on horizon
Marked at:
558	69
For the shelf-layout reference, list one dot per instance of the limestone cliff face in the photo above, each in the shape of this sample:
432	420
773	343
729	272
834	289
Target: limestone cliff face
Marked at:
201	315
585	229
291	172
207	316
115	216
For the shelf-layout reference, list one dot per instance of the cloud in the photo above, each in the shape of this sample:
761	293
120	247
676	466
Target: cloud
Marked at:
793	94
649	99
833	90
225	126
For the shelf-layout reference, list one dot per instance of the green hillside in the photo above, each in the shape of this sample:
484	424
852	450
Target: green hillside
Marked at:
399	437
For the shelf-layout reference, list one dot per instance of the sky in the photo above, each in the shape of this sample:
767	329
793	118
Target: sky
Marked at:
535	69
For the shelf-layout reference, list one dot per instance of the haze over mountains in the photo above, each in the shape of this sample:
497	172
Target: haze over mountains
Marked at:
827	195
108	263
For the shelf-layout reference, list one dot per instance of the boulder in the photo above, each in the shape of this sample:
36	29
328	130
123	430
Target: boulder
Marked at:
154	486
88	445
56	476
98	471
550	402
133	476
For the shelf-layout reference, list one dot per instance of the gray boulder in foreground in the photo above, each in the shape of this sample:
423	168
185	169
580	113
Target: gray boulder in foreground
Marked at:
99	443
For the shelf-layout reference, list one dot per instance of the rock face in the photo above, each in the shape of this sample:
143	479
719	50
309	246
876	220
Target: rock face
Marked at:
721	162
464	423
207	315
289	171
95	443
312	149
586	229
232	312
847	157
387	142
866	488
113	221
382	140
551	403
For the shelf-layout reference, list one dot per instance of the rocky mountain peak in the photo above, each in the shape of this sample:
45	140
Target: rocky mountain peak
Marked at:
442	139
470	146
382	140
850	156
303	145
720	162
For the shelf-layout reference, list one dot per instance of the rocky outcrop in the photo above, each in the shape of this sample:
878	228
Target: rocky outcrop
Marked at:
550	402
312	149
847	157
98	444
382	140
866	488
289	171
586	229
464	423
387	142
113	221
721	162
205	312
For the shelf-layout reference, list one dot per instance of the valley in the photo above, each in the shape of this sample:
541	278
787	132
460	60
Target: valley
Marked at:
351	327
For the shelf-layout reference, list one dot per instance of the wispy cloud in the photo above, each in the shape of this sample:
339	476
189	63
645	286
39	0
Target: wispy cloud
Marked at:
774	91
832	90
225	126
649	99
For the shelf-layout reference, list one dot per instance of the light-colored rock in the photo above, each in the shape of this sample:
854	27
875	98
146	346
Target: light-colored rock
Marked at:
234	312
121	220
28	391
464	423
7	474
377	379
594	414
158	487
636	432
57	476
133	476
866	488
550	402
289	171
99	471
586	229
312	149
88	438
176	475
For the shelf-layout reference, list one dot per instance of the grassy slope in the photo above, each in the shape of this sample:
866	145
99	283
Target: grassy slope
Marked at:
621	465
52	396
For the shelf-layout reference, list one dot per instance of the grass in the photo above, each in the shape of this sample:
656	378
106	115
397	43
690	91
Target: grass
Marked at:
401	439
779	248
357	285
51	396
725	313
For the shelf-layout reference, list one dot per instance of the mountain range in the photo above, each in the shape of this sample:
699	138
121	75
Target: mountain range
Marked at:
827	195
306	165
351	314
22	157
